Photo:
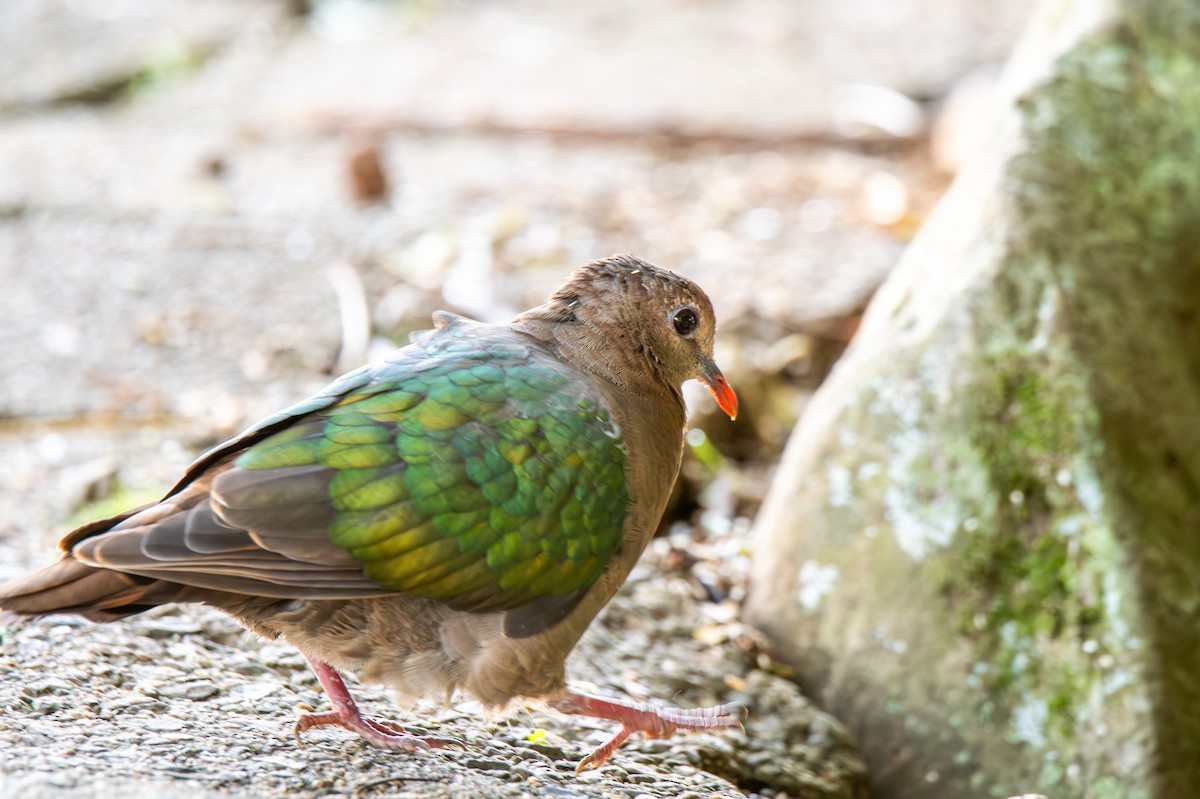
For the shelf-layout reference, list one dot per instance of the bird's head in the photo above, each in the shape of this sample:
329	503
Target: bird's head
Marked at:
625	318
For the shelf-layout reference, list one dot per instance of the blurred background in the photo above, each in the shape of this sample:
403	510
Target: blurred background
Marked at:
208	209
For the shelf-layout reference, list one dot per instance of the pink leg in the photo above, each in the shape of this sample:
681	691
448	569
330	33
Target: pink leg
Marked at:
651	720
345	713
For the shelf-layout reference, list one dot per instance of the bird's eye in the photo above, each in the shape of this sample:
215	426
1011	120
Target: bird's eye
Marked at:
685	320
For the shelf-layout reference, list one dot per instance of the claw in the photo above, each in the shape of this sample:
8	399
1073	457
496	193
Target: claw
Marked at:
652	721
598	758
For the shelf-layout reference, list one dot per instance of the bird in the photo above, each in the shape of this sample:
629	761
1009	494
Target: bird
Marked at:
446	521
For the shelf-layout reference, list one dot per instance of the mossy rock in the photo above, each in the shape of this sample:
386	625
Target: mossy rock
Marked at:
982	547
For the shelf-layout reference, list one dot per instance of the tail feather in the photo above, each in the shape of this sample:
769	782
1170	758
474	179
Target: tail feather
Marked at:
69	586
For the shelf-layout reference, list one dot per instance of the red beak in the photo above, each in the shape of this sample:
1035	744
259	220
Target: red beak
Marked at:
711	376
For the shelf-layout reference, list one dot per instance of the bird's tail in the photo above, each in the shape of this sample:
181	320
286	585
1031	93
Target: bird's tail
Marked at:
69	586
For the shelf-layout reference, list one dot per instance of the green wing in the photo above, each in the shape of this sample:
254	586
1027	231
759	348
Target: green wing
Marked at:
474	470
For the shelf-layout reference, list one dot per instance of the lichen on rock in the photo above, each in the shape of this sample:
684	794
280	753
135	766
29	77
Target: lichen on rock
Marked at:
1003	470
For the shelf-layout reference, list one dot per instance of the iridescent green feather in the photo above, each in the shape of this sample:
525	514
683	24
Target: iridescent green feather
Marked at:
477	472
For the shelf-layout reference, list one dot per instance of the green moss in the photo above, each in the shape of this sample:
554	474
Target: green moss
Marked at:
1108	194
1019	586
1023	429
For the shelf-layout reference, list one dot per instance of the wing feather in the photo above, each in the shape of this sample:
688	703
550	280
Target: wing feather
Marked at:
471	467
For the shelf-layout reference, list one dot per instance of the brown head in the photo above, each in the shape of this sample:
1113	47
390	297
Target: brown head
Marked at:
639	326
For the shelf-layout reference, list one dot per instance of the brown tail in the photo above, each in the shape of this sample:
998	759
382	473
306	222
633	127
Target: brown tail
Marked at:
68	586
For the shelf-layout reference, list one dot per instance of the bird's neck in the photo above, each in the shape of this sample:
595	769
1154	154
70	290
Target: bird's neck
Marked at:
611	353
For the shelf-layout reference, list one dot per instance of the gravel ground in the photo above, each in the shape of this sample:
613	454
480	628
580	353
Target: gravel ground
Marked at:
182	702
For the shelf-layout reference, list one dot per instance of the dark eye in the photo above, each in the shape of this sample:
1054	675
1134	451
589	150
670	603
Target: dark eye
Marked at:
685	321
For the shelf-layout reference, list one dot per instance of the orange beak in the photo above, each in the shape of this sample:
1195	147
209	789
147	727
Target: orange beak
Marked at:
723	392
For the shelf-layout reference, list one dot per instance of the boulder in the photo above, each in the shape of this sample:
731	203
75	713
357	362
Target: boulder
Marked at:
982	548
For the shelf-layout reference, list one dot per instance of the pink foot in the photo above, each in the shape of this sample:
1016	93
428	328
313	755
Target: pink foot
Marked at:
651	720
346	714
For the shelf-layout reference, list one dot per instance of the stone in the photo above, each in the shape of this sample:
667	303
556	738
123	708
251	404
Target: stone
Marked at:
980	550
